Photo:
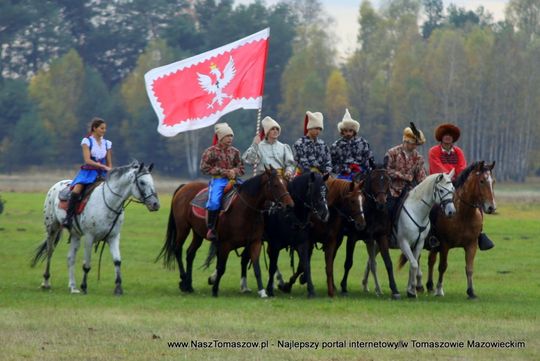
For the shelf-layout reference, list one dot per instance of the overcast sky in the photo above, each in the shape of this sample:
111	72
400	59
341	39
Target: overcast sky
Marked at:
345	14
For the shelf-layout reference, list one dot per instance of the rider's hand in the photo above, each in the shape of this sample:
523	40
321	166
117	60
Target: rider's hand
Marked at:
106	168
287	175
231	174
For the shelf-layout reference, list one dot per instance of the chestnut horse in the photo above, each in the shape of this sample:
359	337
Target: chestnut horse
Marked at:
376	188
345	201
240	226
474	194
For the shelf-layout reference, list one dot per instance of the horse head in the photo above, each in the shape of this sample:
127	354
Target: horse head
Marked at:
275	188
377	186
315	198
486	183
348	199
143	188
444	193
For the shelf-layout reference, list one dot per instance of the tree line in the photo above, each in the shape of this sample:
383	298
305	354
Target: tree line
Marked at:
64	62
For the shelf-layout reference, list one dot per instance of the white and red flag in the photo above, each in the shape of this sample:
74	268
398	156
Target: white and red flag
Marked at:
195	92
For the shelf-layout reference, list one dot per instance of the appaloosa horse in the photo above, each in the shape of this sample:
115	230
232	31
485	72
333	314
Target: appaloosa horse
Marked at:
240	226
101	219
474	194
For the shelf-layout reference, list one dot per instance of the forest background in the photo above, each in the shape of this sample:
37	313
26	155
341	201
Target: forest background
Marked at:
63	62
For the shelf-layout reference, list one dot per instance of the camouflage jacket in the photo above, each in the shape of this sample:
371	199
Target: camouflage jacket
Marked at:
312	154
405	169
216	160
348	152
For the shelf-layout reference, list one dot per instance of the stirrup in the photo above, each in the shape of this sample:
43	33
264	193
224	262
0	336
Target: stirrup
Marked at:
484	243
211	235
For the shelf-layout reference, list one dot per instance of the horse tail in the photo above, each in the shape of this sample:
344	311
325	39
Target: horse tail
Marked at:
41	251
170	248
401	262
212	252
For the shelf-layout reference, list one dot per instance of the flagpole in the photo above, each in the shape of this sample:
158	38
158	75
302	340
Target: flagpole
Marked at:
257	131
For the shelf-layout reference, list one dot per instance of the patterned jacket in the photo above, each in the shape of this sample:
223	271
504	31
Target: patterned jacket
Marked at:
216	161
312	154
346	153
404	169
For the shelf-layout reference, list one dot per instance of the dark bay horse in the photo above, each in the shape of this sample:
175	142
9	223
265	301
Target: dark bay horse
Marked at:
474	194
375	190
345	201
241	226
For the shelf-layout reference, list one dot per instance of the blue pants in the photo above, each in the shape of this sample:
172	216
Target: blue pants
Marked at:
215	192
347	177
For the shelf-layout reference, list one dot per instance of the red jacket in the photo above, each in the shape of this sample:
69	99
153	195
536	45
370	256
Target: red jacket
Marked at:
441	161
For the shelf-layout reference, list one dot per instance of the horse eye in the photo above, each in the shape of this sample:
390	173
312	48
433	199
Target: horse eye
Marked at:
143	183
482	181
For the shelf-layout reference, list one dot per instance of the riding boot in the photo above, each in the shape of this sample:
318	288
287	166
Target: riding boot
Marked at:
211	222
72	204
484	243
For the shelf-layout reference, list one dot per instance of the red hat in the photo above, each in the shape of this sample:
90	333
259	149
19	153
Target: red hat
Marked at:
447	128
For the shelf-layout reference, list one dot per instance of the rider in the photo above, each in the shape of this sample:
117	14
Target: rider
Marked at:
221	161
405	165
351	154
97	157
267	150
310	152
446	156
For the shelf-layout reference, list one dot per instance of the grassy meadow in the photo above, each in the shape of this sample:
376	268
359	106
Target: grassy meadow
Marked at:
54	325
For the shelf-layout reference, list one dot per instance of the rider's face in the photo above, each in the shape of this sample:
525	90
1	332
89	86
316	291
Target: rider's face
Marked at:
227	140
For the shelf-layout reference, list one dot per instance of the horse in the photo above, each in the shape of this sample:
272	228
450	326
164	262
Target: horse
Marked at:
375	190
345	201
101	220
474	194
308	192
412	223
240	226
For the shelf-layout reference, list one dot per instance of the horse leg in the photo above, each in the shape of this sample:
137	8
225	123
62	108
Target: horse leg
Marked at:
431	263
372	263
287	286
244	265
88	241
419	283
186	285
305	261
72	255
329	253
443	264
351	243
255	251
470	252
182	234
385	253
222	255
52	238
413	266
273	255
114	247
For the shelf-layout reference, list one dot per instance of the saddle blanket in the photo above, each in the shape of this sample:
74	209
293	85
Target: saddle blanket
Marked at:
198	204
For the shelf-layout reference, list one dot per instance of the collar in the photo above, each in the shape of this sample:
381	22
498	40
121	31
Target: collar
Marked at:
452	150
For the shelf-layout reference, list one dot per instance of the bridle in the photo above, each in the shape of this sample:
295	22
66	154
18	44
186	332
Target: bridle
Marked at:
368	189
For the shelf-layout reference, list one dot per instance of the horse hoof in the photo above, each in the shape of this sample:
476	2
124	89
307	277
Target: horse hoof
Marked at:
45	287
311	295
245	290
344	292
74	291
378	293
429	286
262	293
396	296
411	295
118	291
286	288
270	292
214	294
210	281
420	289
471	294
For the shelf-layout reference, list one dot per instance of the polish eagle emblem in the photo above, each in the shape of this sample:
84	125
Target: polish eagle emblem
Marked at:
216	81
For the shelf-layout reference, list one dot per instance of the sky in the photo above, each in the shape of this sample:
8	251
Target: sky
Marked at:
345	14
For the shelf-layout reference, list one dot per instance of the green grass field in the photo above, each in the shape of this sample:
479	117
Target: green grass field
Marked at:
54	325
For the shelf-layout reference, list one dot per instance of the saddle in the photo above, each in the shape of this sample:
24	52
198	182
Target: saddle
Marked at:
65	194
198	204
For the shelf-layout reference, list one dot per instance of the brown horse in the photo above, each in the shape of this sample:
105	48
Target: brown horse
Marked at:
240	226
345	201
376	188
474	195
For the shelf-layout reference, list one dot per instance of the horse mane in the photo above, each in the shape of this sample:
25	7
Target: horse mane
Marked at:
252	186
462	177
119	171
419	189
336	188
299	185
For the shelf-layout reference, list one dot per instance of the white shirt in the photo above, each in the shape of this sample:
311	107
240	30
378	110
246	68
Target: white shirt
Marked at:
98	151
277	155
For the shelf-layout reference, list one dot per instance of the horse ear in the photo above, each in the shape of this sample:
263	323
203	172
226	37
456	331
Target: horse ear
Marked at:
452	172
326	176
491	166
439	177
150	167
141	166
480	166
351	186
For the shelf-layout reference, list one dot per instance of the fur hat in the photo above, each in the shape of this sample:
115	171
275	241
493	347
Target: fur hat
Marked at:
221	130
313	120
447	128
267	124
348	123
413	135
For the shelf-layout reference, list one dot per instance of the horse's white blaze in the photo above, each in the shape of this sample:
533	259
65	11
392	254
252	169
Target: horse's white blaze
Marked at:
490	182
